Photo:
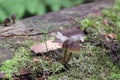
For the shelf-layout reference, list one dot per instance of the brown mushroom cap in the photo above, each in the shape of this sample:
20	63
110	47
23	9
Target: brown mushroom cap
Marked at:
66	43
13	16
72	47
7	20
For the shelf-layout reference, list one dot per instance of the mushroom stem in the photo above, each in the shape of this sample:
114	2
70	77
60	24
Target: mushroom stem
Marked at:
64	56
67	60
13	21
13	18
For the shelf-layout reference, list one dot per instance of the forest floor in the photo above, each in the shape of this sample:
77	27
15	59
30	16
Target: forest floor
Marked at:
99	60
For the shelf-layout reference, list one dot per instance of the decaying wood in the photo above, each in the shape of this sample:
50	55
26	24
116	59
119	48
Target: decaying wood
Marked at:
53	20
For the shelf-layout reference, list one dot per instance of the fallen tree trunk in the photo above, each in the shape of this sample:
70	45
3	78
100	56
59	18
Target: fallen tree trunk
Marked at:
53	20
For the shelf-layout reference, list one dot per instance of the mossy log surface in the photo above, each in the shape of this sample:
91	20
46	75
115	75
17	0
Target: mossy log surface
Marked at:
24	30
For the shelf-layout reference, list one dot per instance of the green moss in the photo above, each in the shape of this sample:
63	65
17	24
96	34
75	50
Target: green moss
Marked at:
11	67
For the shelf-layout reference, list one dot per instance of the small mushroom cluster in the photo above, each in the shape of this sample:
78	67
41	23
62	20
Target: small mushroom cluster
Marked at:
70	47
70	44
7	20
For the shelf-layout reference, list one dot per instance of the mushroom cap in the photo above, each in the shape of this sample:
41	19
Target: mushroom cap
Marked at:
7	20
71	46
66	43
13	16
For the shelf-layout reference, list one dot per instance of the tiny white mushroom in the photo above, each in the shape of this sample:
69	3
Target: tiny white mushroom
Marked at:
61	37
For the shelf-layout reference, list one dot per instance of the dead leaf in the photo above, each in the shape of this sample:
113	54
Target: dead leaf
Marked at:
41	48
112	35
74	37
23	72
61	37
40	78
36	60
78	37
105	22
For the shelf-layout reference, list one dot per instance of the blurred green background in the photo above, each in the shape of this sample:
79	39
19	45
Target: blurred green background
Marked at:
27	8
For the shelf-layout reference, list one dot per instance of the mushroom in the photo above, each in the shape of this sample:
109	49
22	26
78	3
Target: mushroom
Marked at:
70	47
6	21
13	17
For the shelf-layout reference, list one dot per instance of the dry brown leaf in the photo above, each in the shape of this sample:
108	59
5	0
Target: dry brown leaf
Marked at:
105	22
41	48
112	35
35	60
